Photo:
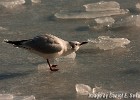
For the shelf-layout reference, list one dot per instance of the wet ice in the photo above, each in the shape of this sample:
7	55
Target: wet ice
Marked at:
101	23
36	1
6	97
12	97
14	3
138	6
11	3
83	89
87	15
100	11
133	20
102	6
71	56
107	43
100	92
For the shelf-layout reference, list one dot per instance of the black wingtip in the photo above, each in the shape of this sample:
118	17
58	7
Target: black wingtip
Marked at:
15	43
7	41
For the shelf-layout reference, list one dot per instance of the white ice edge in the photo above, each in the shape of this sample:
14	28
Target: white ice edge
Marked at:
107	43
14	97
91	14
102	6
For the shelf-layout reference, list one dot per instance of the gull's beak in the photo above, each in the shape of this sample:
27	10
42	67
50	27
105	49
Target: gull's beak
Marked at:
83	43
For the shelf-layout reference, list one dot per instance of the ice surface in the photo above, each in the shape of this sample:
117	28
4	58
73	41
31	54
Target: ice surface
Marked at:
11	3
12	97
133	20
36	1
25	98
71	56
45	67
105	20
107	43
94	10
6	97
102	6
99	92
14	3
102	22
138	6
89	14
3	29
83	89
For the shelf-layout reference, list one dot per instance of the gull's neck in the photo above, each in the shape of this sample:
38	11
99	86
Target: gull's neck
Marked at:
67	49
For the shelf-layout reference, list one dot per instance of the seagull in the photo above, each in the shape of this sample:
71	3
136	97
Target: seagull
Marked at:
48	46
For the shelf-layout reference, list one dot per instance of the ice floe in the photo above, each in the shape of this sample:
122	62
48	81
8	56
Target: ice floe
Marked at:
138	6
133	20
101	93
101	23
71	56
3	29
83	89
12	97
107	43
94	10
102	6
6	97
87	15
110	23
11	3
36	1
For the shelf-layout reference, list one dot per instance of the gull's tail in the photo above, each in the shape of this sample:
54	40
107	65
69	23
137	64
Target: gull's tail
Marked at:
15	43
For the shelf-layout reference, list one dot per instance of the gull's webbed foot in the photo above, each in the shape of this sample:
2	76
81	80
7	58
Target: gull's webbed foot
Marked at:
53	68
54	65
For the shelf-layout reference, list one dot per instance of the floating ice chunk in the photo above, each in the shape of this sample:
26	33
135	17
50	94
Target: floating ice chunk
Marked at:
133	20
105	20
11	3
71	56
83	89
23	98
36	1
138	6
29	2
6	97
101	23
11	97
87	15
94	10
102	6
100	93
3	29
107	43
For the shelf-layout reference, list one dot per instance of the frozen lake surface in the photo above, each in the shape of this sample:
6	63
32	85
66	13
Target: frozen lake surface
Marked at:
23	74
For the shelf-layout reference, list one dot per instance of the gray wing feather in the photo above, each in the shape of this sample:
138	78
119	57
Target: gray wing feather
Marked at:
44	44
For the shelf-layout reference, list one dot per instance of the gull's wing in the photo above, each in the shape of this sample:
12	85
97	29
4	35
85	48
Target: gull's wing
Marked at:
44	44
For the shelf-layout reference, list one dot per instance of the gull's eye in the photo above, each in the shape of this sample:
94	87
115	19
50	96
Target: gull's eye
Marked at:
76	44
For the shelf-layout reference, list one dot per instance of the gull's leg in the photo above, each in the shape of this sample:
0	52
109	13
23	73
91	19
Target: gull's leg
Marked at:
52	67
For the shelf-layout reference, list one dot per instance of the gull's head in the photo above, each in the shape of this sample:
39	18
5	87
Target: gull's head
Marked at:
76	45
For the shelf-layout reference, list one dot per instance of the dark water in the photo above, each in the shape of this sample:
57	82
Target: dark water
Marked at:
115	70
